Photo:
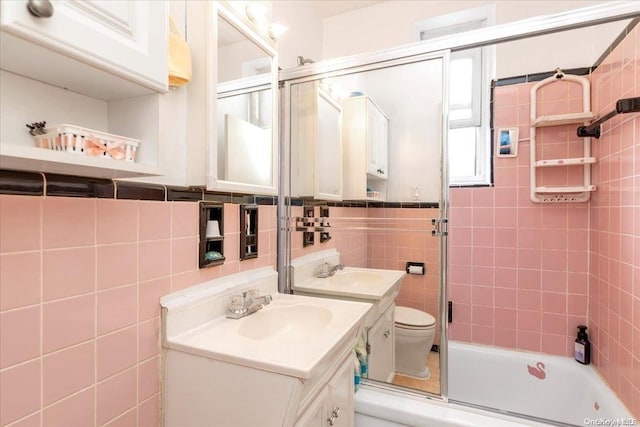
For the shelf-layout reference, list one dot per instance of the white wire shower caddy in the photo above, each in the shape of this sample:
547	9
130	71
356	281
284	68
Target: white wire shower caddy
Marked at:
551	194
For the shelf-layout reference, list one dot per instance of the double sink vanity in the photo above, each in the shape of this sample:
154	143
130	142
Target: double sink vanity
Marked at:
237	352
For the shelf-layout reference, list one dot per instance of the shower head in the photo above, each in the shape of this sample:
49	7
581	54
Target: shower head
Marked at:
303	61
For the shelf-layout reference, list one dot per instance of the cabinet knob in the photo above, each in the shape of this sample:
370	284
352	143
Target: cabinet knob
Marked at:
40	8
334	414
386	333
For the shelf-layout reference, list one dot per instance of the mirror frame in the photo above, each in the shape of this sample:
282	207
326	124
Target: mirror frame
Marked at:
224	11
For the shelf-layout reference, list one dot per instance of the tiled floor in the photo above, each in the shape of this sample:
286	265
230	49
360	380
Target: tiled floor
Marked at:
431	385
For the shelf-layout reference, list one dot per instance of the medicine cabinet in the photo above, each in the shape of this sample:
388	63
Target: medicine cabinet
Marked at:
211	250
241	115
316	142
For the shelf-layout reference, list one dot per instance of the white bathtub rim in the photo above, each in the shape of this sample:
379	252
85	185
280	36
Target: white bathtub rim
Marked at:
417	410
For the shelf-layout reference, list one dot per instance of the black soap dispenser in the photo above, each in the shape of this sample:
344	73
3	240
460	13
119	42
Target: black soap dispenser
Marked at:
582	350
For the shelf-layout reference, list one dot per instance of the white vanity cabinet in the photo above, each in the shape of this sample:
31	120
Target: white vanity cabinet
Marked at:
365	134
290	363
381	346
122	38
334	405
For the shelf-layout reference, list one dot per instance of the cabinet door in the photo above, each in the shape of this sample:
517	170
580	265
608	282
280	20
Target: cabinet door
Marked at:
128	38
377	135
313	416
339	412
381	340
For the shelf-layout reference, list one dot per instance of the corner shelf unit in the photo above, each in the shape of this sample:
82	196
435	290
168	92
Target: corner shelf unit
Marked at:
554	194
211	249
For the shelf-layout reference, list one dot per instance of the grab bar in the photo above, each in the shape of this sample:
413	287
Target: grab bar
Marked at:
626	105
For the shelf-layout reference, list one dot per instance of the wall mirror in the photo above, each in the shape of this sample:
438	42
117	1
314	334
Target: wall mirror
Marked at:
386	146
385	227
244	155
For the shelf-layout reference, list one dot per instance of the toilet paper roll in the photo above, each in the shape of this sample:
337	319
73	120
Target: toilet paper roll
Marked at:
416	269
213	229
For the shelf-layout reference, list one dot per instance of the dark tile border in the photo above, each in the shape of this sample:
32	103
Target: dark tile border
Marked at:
41	184
362	204
184	194
536	77
76	186
21	183
135	191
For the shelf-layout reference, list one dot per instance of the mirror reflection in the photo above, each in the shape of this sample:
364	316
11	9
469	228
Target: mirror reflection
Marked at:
389	129
245	146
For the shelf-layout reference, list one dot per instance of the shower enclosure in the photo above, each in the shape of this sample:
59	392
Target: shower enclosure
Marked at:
405	217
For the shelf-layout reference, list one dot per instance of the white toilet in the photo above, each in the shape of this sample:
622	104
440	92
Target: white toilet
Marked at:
414	330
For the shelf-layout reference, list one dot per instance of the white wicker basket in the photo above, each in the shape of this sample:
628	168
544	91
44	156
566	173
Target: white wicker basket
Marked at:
88	142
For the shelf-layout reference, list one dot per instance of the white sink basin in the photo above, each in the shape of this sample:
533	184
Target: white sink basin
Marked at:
356	283
290	322
357	279
291	336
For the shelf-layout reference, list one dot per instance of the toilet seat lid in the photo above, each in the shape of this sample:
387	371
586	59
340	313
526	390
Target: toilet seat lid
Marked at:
411	317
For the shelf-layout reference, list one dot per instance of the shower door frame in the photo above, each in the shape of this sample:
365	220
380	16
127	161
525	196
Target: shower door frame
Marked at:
442	46
357	64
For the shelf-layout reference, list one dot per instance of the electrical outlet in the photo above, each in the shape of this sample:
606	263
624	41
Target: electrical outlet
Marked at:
415	192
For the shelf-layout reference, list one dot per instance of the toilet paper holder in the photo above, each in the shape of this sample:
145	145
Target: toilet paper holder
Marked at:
415	268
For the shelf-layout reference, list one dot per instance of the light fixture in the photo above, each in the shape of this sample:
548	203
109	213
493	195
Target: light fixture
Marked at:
276	30
256	12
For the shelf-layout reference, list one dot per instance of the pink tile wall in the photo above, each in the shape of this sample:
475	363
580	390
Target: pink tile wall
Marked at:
352	244
385	249
80	282
614	280
518	272
392	250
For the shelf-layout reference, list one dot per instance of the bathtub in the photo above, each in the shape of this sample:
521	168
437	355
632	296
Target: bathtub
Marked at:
562	392
547	387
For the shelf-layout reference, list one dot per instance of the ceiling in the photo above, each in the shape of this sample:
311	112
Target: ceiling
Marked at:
327	8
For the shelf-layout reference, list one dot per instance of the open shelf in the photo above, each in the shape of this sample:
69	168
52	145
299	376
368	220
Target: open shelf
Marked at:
562	119
26	158
565	162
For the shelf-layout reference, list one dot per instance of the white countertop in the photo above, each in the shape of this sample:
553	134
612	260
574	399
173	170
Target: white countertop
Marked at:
357	283
290	336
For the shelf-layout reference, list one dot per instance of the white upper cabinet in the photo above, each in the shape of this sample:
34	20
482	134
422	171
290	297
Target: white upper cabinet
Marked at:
365	130
88	46
316	147
98	65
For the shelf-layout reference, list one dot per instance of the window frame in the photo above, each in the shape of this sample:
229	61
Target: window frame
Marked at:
461	21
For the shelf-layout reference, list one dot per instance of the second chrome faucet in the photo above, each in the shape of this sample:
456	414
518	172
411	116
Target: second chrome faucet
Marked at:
327	270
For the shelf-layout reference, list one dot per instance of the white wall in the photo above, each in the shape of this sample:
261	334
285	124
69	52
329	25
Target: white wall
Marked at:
391	23
304	34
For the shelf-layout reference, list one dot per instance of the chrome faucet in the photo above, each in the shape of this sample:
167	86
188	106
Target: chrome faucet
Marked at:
246	303
327	270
